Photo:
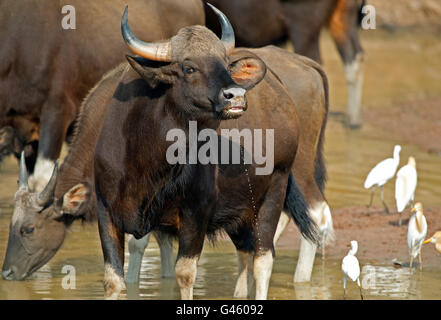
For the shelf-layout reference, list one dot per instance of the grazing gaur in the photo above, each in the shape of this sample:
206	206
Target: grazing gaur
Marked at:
259	23
46	71
40	219
310	96
138	190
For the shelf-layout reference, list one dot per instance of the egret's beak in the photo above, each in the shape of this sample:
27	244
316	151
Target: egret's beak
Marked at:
413	210
427	241
348	245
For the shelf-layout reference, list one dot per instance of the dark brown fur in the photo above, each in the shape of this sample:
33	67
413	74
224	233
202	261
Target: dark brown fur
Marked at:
259	23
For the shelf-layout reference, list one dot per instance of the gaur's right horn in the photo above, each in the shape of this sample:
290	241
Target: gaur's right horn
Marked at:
227	37
156	51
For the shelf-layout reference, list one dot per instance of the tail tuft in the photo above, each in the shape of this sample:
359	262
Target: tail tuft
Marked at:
326	227
296	205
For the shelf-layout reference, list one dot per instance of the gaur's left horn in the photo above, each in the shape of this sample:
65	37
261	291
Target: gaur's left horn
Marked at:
24	175
156	51
48	192
227	37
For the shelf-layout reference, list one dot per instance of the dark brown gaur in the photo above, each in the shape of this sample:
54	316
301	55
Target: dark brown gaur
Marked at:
138	191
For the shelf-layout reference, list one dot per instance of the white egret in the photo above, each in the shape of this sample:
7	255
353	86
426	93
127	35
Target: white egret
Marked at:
405	185
351	268
416	234
436	239
381	173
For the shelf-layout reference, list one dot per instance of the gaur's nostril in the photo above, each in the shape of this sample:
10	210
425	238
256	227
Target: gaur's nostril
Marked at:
228	95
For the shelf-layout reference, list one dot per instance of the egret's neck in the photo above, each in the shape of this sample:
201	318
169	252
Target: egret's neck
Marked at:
353	251
419	220
396	156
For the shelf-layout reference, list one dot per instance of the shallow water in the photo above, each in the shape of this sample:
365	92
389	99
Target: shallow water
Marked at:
216	279
350	155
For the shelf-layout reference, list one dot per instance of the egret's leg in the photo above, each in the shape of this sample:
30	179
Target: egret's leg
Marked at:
359	286
382	199
344	287
420	260
372	196
411	262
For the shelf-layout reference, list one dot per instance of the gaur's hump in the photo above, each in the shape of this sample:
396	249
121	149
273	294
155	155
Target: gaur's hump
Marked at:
196	41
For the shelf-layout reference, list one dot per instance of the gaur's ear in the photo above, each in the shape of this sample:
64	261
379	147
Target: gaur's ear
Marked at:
154	75
247	72
75	199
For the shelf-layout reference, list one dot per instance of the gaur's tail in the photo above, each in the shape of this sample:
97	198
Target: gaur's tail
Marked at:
296	205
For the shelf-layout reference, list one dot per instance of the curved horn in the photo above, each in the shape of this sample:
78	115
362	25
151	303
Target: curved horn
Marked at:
48	192
227	30
156	51
24	175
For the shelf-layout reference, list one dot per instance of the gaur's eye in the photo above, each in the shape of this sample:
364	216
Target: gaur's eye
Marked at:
28	230
189	70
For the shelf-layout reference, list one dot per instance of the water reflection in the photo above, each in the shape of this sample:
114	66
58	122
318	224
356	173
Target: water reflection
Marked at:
391	282
43	281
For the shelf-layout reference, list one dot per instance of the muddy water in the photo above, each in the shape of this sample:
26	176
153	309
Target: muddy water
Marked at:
350	155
